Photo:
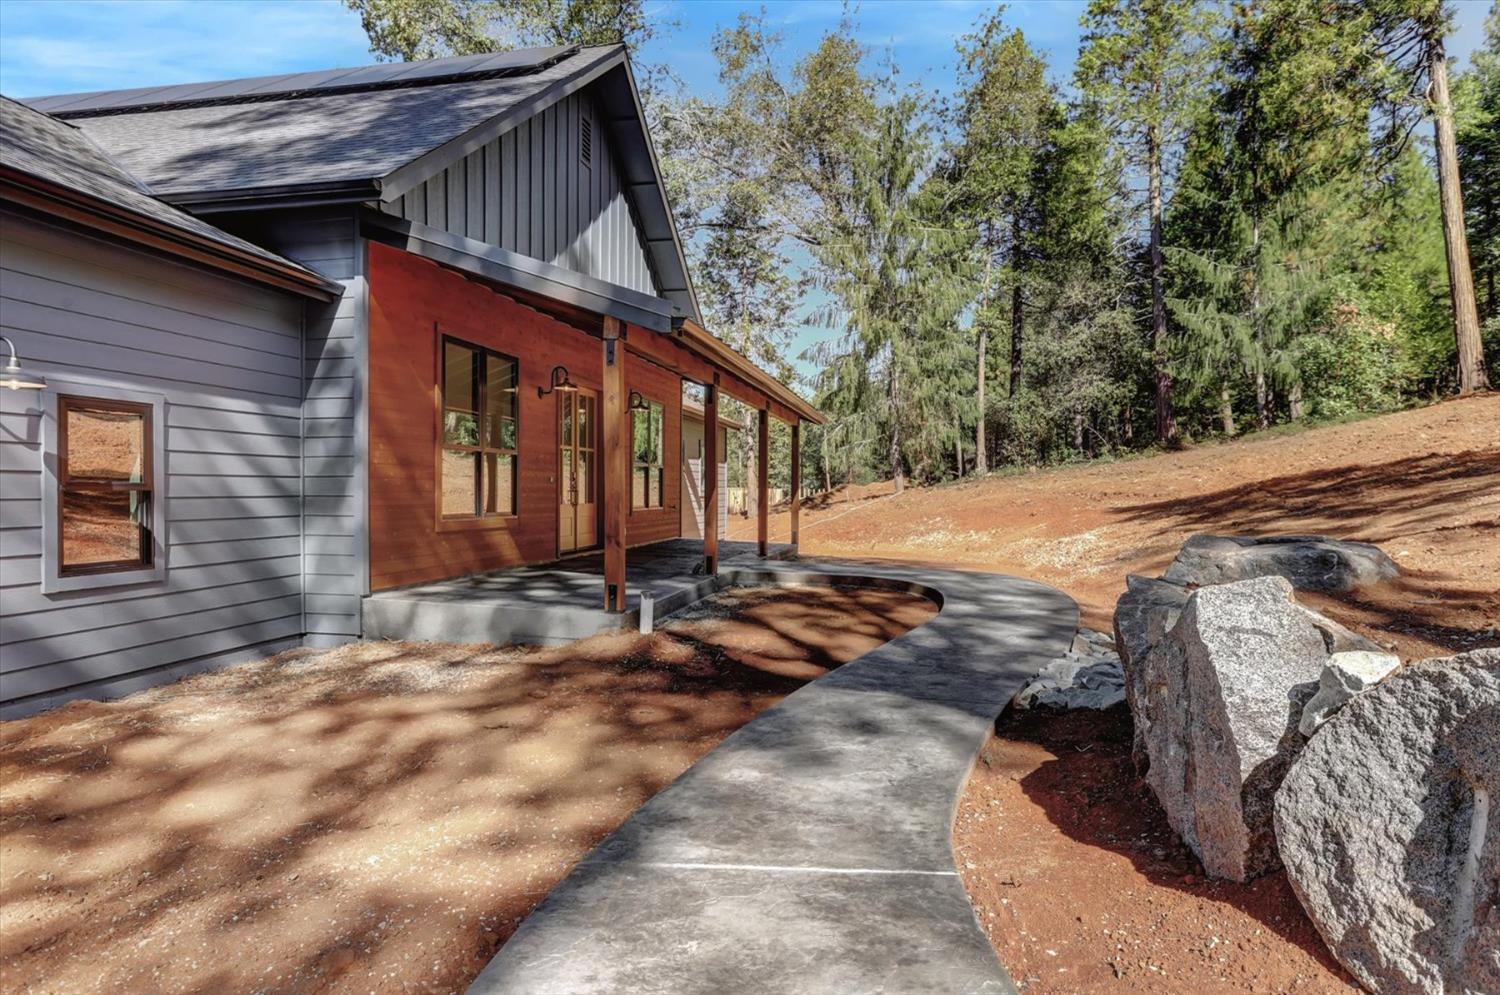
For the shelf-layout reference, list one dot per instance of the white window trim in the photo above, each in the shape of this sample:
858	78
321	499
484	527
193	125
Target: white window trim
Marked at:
53	580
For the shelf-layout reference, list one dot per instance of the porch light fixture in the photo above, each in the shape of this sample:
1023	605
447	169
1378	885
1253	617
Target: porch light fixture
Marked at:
557	381
16	378
637	402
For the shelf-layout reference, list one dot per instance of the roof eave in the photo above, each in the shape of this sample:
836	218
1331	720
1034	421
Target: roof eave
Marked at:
709	346
274	198
45	197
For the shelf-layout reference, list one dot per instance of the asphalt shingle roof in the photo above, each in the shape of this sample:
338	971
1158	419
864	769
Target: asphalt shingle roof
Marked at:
309	137
42	146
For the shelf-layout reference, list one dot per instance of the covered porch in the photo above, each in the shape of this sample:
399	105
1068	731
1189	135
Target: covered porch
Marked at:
556	602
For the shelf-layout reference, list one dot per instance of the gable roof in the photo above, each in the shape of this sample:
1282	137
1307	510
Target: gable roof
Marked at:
370	134
50	165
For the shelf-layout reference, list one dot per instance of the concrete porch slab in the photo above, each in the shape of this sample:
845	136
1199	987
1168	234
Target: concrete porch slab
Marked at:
554	602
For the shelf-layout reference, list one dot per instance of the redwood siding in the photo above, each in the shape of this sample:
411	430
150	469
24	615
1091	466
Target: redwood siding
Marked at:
413	302
665	388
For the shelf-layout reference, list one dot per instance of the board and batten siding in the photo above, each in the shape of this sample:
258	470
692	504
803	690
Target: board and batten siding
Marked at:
535	191
227	358
335	431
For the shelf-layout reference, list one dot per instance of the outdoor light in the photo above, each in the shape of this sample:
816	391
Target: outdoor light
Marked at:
558	381
16	378
637	402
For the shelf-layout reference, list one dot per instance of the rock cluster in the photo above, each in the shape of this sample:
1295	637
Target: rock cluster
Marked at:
1087	676
1220	663
1272	734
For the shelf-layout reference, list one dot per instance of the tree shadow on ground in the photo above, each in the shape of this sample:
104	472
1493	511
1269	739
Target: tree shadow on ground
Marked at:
1091	793
379	816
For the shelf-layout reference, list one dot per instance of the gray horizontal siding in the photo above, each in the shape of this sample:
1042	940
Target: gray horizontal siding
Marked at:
229	359
529	191
330	465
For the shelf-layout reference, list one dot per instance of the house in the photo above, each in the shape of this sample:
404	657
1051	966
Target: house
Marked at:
312	337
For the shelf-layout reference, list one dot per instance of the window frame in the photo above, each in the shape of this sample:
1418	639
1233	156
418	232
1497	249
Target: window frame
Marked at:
637	467
479	519
57	397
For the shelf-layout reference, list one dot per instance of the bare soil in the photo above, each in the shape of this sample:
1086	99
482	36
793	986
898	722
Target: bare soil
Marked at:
1424	485
1083	887
376	818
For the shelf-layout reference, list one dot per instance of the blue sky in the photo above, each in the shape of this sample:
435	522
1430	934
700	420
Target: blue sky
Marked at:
61	46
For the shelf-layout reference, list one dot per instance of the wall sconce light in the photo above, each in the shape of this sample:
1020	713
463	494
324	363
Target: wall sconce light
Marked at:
637	402
16	378
557	381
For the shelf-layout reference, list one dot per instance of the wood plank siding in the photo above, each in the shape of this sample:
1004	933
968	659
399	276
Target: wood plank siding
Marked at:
412	303
538	191
226	357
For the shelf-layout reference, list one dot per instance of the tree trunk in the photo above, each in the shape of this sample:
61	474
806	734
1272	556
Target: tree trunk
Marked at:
898	473
1471	372
981	460
1166	420
958	452
1262	401
1294	401
827	467
1078	430
1016	316
1226	409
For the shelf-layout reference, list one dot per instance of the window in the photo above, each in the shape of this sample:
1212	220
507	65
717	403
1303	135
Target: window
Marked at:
104	485
646	481
478	474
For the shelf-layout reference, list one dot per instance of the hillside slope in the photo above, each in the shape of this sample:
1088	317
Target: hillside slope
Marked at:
1422	484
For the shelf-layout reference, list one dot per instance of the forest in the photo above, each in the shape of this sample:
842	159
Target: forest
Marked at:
1232	216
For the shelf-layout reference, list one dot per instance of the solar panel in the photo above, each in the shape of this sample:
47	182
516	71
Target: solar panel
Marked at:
380	74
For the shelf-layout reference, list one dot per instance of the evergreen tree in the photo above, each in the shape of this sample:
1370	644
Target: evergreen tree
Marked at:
1145	63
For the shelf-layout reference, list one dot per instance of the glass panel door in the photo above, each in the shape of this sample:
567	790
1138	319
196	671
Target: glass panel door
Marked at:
577	481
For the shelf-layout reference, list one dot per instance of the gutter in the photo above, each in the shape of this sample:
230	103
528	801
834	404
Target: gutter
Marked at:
102	217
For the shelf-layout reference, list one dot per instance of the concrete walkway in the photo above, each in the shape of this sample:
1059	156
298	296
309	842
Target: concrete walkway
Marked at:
811	851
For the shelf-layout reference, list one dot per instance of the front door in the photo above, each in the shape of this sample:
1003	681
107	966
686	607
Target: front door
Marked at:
578	486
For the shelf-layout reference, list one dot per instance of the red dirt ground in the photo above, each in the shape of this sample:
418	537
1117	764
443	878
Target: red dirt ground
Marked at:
377	818
1083	887
1423	484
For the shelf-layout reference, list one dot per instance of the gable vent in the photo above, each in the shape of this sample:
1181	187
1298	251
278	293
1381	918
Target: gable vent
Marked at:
585	141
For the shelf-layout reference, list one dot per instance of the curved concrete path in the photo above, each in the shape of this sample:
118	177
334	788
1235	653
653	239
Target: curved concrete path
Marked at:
811	852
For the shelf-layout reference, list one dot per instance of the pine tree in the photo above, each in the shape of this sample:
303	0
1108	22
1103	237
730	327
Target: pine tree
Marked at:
1146	63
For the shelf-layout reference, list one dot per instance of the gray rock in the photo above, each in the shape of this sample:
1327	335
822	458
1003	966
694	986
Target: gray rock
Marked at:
1075	681
1339	639
1221	697
1344	676
1311	563
1388	827
1091	642
1143	616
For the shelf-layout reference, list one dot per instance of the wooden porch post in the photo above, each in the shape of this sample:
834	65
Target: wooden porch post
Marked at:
616	465
711	478
796	480
763	483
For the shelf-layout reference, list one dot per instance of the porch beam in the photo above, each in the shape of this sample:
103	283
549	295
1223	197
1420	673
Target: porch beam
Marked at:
711	479
763	483
616	464
796	481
